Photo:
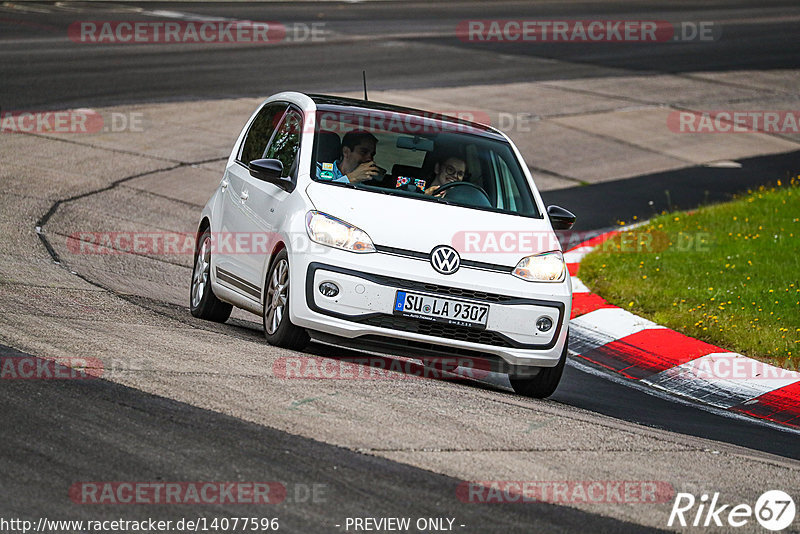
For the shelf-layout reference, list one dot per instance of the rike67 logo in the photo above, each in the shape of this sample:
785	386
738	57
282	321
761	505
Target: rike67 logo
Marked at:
774	510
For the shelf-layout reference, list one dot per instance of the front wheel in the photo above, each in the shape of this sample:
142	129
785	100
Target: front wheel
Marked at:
278	328
545	382
203	303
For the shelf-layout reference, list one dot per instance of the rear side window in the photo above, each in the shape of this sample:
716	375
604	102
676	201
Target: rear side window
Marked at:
286	142
258	136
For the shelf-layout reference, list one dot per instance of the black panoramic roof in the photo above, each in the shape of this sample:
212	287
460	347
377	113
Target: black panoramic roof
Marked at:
324	101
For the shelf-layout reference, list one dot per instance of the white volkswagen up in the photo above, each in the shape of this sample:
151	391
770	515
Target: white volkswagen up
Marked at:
387	229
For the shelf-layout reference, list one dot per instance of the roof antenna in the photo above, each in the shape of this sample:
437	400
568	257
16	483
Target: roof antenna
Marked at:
364	77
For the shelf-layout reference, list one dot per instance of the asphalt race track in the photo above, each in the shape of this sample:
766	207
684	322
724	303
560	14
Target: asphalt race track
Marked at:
200	404
758	35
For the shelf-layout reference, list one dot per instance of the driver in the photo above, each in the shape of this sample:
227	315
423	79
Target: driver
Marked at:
357	162
450	169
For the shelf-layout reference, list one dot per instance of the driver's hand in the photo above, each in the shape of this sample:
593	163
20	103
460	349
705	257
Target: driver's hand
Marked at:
365	171
431	189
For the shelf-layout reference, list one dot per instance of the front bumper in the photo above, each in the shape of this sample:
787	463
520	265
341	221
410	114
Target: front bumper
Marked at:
363	308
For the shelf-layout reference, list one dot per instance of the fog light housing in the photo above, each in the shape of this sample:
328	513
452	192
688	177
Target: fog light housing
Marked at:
329	289
544	323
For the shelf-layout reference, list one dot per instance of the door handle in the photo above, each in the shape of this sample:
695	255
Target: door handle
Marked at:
244	194
224	185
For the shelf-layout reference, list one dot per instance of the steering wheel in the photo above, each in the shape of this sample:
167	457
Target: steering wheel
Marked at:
452	185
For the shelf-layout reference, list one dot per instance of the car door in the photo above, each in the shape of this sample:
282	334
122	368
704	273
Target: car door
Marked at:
260	209
238	229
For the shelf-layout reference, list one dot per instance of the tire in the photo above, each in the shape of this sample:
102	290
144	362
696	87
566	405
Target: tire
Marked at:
545	382
203	303
278	328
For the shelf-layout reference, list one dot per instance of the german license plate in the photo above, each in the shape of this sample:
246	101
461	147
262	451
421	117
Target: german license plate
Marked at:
455	312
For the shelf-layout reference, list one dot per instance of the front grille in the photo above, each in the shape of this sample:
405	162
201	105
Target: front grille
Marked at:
445	290
427	256
431	328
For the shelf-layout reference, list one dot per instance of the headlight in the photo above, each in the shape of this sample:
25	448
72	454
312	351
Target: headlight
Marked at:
330	231
546	267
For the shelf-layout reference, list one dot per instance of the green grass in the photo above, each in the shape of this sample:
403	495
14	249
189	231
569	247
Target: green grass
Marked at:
727	274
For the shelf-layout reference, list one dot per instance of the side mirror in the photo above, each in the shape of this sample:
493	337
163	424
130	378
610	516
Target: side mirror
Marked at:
266	169
270	170
560	218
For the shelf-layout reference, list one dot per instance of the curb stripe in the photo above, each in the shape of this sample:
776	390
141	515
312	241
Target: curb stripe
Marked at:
573	268
610	324
713	379
583	303
651	351
578	286
577	254
780	406
597	240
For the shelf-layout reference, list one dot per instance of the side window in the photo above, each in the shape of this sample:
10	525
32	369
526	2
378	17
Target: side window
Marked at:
286	142
260	132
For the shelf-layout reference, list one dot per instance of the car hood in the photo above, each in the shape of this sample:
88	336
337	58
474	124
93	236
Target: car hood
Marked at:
417	225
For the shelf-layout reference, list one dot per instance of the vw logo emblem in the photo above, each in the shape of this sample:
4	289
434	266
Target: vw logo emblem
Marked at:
445	259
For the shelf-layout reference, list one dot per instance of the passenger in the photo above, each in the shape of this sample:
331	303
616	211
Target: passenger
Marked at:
447	170
357	159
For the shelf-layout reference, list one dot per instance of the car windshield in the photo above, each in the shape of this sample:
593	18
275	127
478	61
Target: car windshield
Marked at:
419	157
